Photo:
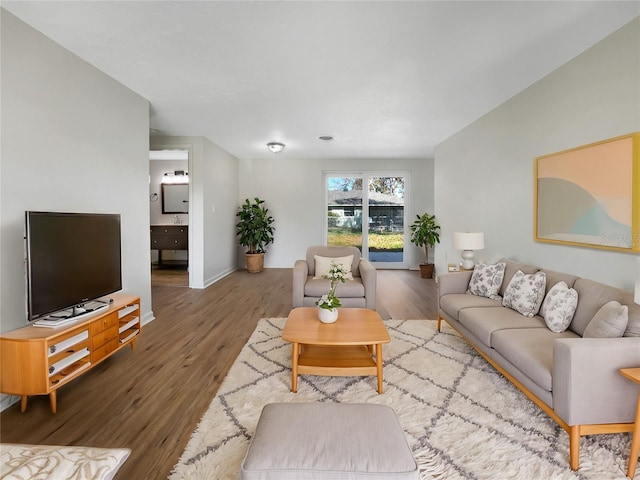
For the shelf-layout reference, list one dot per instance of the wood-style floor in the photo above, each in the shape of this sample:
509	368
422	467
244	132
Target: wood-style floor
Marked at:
151	399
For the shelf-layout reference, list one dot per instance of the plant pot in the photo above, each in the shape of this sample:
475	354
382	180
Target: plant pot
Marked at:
426	270
255	262
327	316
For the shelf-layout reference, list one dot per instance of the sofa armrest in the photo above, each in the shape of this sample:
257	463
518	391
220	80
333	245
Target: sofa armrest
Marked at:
587	385
456	282
300	274
369	278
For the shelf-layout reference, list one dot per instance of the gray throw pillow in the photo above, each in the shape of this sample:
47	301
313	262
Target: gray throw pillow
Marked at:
608	322
486	280
558	307
525	292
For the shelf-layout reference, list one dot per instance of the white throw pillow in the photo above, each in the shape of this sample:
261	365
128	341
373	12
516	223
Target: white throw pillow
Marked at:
558	307
525	292
323	264
486	280
608	322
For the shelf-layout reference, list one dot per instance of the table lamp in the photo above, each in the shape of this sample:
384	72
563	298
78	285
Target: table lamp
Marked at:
468	242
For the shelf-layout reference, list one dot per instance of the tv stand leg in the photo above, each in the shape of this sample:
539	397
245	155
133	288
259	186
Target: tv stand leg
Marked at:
53	400
23	403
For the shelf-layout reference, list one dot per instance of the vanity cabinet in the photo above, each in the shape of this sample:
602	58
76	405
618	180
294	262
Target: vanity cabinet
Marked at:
169	237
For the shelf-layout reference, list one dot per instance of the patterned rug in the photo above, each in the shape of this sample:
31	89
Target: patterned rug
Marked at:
462	419
51	462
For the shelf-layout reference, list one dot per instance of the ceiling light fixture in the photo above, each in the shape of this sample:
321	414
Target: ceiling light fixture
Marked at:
326	138
275	147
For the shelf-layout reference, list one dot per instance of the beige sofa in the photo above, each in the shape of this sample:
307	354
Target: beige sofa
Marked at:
575	380
359	292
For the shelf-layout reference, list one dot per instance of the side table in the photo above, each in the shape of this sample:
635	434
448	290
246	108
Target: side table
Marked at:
633	374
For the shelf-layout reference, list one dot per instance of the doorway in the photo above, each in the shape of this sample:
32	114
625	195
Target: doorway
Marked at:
169	194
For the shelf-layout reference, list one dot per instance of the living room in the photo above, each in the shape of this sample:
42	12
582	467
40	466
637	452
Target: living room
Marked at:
75	138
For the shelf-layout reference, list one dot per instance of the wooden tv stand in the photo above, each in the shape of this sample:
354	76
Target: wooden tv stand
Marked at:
40	360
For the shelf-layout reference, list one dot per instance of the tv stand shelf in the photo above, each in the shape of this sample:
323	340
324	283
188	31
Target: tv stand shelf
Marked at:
38	361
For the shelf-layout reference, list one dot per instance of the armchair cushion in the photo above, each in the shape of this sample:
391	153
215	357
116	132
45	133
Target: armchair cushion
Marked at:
316	287
323	264
333	252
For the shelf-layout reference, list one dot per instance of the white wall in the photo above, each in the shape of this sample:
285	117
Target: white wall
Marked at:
220	174
484	173
73	139
293	191
213	177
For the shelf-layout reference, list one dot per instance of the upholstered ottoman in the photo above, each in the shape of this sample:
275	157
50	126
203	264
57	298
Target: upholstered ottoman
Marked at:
328	441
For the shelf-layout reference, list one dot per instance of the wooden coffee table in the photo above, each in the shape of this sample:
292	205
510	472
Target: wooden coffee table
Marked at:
343	348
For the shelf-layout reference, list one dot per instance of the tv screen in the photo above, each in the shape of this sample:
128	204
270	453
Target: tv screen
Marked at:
72	258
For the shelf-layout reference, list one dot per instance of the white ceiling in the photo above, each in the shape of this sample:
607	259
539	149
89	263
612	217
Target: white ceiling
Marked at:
387	79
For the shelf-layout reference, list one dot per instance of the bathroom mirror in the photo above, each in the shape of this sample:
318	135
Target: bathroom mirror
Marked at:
175	198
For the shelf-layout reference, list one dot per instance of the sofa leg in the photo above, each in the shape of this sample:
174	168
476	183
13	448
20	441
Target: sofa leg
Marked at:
574	447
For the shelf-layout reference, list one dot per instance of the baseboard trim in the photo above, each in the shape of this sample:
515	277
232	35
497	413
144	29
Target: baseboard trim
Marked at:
219	276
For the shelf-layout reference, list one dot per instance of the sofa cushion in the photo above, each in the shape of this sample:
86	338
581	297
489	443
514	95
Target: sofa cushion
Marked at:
323	264
594	295
316	287
486	280
452	303
609	322
530	350
511	267
558	307
554	277
525	292
483	322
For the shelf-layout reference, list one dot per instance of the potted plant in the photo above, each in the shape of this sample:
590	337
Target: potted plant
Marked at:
255	232
425	232
328	304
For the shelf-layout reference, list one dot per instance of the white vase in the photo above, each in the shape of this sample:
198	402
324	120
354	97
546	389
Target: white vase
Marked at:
327	316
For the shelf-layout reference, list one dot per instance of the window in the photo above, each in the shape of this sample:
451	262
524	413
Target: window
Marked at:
381	237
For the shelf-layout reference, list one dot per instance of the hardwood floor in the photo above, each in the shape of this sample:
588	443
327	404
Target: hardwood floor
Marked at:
151	399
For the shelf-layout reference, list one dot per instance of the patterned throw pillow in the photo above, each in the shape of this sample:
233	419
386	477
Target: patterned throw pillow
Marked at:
525	292
608	322
486	280
558	307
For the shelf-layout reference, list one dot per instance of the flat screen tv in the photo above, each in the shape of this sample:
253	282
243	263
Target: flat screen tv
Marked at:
72	258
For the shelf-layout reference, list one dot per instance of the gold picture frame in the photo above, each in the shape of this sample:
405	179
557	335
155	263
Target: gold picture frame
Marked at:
589	196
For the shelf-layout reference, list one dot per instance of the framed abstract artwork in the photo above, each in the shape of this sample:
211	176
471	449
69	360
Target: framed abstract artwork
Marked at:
590	196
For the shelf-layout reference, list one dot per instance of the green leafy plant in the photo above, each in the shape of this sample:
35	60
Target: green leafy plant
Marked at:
425	232
255	230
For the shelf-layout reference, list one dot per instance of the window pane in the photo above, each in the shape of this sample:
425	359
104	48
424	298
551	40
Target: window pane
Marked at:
344	210
386	219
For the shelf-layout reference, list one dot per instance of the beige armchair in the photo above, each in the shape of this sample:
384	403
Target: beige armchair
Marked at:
359	292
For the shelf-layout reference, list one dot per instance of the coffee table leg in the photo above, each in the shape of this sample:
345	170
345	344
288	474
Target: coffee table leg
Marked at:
379	366
295	353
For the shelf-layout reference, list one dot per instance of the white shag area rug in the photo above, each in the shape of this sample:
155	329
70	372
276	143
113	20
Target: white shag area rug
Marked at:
52	462
462	419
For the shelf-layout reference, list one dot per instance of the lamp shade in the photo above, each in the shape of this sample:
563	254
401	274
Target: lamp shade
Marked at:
468	240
